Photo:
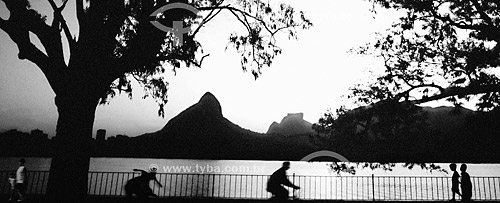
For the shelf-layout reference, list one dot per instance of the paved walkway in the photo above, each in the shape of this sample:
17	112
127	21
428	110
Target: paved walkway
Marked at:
94	199
37	199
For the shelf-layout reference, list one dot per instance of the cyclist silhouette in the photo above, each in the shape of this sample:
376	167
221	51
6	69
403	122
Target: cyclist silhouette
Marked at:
277	179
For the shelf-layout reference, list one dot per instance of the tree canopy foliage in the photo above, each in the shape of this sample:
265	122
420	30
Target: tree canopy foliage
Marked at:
438	50
116	41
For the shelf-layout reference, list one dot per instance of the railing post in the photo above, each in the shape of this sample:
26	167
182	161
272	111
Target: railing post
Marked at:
213	186
373	187
293	182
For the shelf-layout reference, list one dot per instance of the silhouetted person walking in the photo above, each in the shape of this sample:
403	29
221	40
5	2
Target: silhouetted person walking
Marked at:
21	180
454	181
277	179
12	183
140	185
466	184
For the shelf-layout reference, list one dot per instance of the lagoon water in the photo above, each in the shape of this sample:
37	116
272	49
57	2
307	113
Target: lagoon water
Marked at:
247	179
249	167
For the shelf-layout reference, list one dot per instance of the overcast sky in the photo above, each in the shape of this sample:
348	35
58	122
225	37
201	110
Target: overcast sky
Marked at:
310	75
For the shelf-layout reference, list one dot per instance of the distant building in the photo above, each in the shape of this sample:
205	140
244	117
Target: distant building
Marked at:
101	135
38	133
121	137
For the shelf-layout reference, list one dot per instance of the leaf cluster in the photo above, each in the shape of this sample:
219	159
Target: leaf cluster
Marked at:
437	50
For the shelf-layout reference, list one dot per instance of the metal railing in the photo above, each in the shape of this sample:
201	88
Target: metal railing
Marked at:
240	186
184	185
36	182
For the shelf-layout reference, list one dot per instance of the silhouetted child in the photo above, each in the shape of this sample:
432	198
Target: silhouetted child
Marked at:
140	185
454	181
12	182
466	184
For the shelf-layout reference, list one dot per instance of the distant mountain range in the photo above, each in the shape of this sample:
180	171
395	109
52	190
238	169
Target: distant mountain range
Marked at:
448	134
201	131
462	134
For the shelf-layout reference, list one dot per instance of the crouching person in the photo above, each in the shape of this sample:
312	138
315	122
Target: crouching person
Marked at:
140	186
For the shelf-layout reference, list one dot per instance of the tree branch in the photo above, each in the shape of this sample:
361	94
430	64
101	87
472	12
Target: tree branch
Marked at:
460	91
2	23
241	21
245	14
206	19
407	92
23	20
20	23
80	15
59	19
29	51
460	24
481	12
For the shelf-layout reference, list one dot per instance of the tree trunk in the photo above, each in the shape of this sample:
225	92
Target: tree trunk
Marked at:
70	163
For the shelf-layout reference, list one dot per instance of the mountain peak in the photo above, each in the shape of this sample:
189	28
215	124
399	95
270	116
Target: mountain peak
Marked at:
209	102
202	132
292	123
208	97
294	115
208	110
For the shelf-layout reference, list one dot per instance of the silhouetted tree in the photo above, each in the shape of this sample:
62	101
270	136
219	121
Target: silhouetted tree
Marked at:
117	42
374	134
438	50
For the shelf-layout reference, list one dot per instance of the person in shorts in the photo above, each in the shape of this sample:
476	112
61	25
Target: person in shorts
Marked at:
21	180
12	183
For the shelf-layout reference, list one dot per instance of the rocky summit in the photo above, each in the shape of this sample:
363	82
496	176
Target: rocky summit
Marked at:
291	124
202	132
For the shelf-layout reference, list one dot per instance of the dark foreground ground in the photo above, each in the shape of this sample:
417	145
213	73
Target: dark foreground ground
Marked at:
37	199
